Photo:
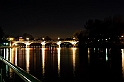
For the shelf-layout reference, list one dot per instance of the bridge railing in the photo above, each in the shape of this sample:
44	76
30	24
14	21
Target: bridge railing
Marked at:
26	77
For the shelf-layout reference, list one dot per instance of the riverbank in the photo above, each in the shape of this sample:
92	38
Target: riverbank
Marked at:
119	45
6	47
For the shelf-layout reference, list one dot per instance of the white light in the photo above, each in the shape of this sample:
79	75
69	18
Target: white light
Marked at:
43	43
27	43
43	61
27	59
59	42
106	55
74	38
73	43
58	61
27	38
74	54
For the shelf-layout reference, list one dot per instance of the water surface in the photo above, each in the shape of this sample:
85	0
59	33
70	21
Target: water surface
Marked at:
69	64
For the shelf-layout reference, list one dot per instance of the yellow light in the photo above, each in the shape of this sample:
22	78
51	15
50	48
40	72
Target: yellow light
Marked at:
43	61
122	51
58	61
27	38
27	43
10	39
27	59
74	53
59	42
73	38
73	43
43	43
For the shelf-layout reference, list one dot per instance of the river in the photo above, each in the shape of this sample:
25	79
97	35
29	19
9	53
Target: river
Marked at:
68	64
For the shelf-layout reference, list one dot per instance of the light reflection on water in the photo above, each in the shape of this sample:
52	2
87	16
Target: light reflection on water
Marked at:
27	59
17	58
89	55
43	61
122	50
58	62
106	54
74	54
58	49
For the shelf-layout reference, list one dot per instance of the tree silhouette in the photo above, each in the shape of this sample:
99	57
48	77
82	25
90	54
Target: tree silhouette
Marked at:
110	27
47	38
81	36
26	35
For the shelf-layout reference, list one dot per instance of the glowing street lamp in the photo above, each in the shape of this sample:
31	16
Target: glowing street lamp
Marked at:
27	39
43	38
58	38
73	38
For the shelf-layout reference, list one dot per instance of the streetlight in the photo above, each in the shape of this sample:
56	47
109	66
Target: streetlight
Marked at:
73	38
27	39
43	38
58	38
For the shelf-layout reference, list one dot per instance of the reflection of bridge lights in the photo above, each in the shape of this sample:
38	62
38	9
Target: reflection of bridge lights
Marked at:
88	55
122	51
27	59
106	55
74	62
15	56
58	61
43	61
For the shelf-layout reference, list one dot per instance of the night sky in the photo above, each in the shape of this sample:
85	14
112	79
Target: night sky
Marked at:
53	18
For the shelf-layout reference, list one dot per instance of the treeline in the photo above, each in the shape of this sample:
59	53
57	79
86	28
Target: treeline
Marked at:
106	31
103	31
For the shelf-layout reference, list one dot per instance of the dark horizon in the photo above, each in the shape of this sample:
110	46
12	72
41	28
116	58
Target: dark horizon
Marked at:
54	18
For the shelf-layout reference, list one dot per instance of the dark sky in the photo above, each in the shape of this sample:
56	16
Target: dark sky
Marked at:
53	18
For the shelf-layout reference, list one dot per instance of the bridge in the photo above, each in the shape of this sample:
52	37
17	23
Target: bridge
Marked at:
43	43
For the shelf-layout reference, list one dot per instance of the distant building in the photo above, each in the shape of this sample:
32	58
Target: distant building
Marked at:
21	39
10	38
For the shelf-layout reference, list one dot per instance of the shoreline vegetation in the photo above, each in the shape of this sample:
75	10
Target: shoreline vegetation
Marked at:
7	47
108	32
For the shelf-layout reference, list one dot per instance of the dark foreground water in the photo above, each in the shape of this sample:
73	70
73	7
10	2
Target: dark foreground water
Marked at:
68	64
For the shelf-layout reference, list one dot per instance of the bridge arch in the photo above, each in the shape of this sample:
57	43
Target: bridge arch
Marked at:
66	44
46	43
35	45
